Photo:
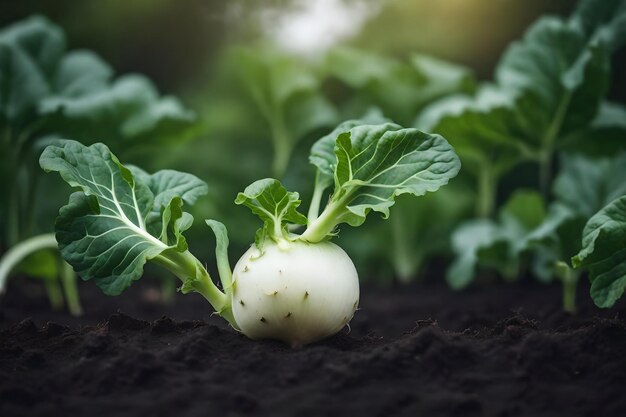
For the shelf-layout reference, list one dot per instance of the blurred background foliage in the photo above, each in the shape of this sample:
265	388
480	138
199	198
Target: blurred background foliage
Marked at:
267	79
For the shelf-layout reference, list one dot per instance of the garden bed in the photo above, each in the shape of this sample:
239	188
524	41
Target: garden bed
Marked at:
503	350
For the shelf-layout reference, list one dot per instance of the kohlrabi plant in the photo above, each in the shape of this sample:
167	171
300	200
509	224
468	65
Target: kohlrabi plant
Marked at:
286	93
47	91
548	94
294	287
530	236
583	187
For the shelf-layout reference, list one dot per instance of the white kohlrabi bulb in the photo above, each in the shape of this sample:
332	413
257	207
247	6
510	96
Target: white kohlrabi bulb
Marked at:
298	292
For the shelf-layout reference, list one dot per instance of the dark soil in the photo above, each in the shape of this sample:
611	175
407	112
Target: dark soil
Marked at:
505	350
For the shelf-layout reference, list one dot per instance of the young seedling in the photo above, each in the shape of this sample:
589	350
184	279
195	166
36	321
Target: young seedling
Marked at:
298	288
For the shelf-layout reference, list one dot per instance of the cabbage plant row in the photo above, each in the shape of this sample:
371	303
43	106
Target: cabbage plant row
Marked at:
545	116
547	103
48	92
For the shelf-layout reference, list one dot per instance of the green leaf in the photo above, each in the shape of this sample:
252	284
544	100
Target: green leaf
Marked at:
165	185
525	208
604	253
30	256
564	67
81	73
286	93
441	78
130	109
482	129
47	91
495	245
29	54
418	231
173	223
359	68
102	230
268	199
605	134
610	14
400	89
71	93
421	227
553	241
549	86
546	234
221	253
271	75
42	264
307	113
557	65
585	185
467	241
611	115
375	163
323	151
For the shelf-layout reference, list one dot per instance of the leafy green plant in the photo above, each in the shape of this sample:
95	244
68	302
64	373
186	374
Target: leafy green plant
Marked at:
549	92
399	89
604	253
400	249
496	245
47	91
293	287
286	93
385	89
528	235
583	187
479	125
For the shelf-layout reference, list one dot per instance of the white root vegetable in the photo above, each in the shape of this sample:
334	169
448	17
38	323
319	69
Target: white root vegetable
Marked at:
296	292
295	288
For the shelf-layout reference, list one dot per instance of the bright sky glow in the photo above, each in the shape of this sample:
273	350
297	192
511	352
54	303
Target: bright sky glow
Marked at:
315	26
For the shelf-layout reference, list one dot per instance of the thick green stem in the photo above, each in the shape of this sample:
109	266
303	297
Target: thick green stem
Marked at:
486	192
569	279
548	144
226	274
321	184
407	263
545	172
569	294
67	276
20	208
282	146
70	289
324	225
405	257
196	278
30	202
18	252
54	292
